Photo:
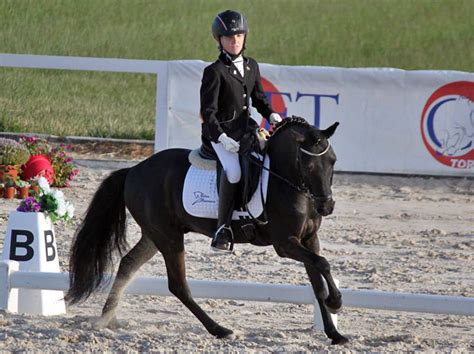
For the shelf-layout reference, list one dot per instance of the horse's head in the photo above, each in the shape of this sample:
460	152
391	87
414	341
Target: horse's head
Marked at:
306	153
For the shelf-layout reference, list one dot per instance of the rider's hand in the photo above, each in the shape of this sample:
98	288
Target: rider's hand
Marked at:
275	118
229	144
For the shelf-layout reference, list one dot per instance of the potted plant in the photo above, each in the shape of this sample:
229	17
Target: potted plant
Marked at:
50	162
12	156
9	190
34	186
63	165
23	189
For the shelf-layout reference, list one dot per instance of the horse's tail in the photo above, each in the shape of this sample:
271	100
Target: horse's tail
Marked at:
101	232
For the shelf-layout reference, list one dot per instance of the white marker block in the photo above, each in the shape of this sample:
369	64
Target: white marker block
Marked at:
31	242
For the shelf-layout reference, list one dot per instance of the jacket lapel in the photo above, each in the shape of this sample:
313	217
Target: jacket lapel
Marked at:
247	72
231	68
234	72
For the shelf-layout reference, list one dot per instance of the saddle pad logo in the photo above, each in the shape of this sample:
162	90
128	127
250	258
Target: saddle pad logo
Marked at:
201	198
447	125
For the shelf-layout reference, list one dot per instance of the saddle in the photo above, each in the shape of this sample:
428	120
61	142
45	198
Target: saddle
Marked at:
249	197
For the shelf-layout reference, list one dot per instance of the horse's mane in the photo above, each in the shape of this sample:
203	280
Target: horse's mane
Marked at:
286	123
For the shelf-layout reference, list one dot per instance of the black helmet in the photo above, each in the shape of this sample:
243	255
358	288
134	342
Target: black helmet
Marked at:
228	23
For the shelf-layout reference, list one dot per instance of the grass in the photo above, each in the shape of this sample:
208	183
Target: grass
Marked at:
407	34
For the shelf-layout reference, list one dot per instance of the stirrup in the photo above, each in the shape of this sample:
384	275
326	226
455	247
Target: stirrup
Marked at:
227	246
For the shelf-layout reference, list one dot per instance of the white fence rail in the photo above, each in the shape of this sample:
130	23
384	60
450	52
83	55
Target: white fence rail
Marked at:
244	291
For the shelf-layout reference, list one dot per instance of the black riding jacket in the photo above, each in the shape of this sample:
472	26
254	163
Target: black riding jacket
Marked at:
225	100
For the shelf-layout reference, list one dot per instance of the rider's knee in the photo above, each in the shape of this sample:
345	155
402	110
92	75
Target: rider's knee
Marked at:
233	175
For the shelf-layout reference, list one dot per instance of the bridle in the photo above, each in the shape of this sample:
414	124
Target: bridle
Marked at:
316	154
306	189
302	187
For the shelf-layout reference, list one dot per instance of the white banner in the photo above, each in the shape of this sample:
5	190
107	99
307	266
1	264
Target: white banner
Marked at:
392	121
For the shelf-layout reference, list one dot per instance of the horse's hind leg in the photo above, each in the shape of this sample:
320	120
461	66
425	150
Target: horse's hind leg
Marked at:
177	284
130	263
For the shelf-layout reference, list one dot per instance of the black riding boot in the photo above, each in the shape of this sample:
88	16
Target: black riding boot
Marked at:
223	238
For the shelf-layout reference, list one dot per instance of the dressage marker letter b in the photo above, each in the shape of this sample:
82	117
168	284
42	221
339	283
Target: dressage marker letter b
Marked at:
49	245
30	240
16	243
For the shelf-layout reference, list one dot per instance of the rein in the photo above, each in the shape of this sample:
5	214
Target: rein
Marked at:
301	189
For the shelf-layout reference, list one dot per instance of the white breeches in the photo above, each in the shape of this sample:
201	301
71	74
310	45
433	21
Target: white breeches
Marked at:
230	162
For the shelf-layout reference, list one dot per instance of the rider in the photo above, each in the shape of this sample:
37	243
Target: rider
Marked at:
228	87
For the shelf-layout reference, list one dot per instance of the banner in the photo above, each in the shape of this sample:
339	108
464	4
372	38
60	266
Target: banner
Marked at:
391	120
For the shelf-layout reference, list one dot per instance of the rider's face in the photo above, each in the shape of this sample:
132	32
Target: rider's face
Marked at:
233	44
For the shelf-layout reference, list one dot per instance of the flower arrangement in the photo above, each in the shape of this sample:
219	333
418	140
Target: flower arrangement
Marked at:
49	201
63	166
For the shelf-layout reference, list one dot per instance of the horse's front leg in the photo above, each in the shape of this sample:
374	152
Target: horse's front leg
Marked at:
321	294
292	248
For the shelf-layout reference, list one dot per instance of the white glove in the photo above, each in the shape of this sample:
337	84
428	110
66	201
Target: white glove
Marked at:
275	118
229	144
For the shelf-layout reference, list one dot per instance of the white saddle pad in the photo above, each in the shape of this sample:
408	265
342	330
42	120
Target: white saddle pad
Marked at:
200	197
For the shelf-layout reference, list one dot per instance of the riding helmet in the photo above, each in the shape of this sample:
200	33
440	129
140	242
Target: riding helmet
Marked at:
228	23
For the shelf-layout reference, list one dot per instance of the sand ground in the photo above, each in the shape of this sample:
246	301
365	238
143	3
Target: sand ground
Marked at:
406	234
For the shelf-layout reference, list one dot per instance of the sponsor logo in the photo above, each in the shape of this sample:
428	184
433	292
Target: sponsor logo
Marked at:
200	197
447	125
277	100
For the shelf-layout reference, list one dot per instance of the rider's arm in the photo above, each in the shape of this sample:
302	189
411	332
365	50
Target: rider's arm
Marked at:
210	86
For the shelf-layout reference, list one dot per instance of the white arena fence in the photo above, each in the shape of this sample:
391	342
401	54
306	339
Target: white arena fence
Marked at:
392	120
246	291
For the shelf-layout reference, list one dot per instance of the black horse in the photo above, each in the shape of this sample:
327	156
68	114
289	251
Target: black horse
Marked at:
299	195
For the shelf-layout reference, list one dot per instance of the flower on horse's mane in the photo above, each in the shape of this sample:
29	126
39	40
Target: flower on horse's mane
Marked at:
49	201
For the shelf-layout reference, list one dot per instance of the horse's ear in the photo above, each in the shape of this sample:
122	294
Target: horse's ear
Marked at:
330	131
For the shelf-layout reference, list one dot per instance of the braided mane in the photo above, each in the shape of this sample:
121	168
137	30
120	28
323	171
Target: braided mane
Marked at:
288	122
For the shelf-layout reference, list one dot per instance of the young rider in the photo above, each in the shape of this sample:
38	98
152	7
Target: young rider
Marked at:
229	86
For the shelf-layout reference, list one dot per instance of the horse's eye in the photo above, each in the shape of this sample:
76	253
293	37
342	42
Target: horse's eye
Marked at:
317	142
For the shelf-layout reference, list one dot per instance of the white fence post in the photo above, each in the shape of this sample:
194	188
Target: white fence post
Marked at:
162	109
8	296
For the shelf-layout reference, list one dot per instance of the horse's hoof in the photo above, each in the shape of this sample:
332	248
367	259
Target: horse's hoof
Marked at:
334	307
102	323
224	333
339	340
